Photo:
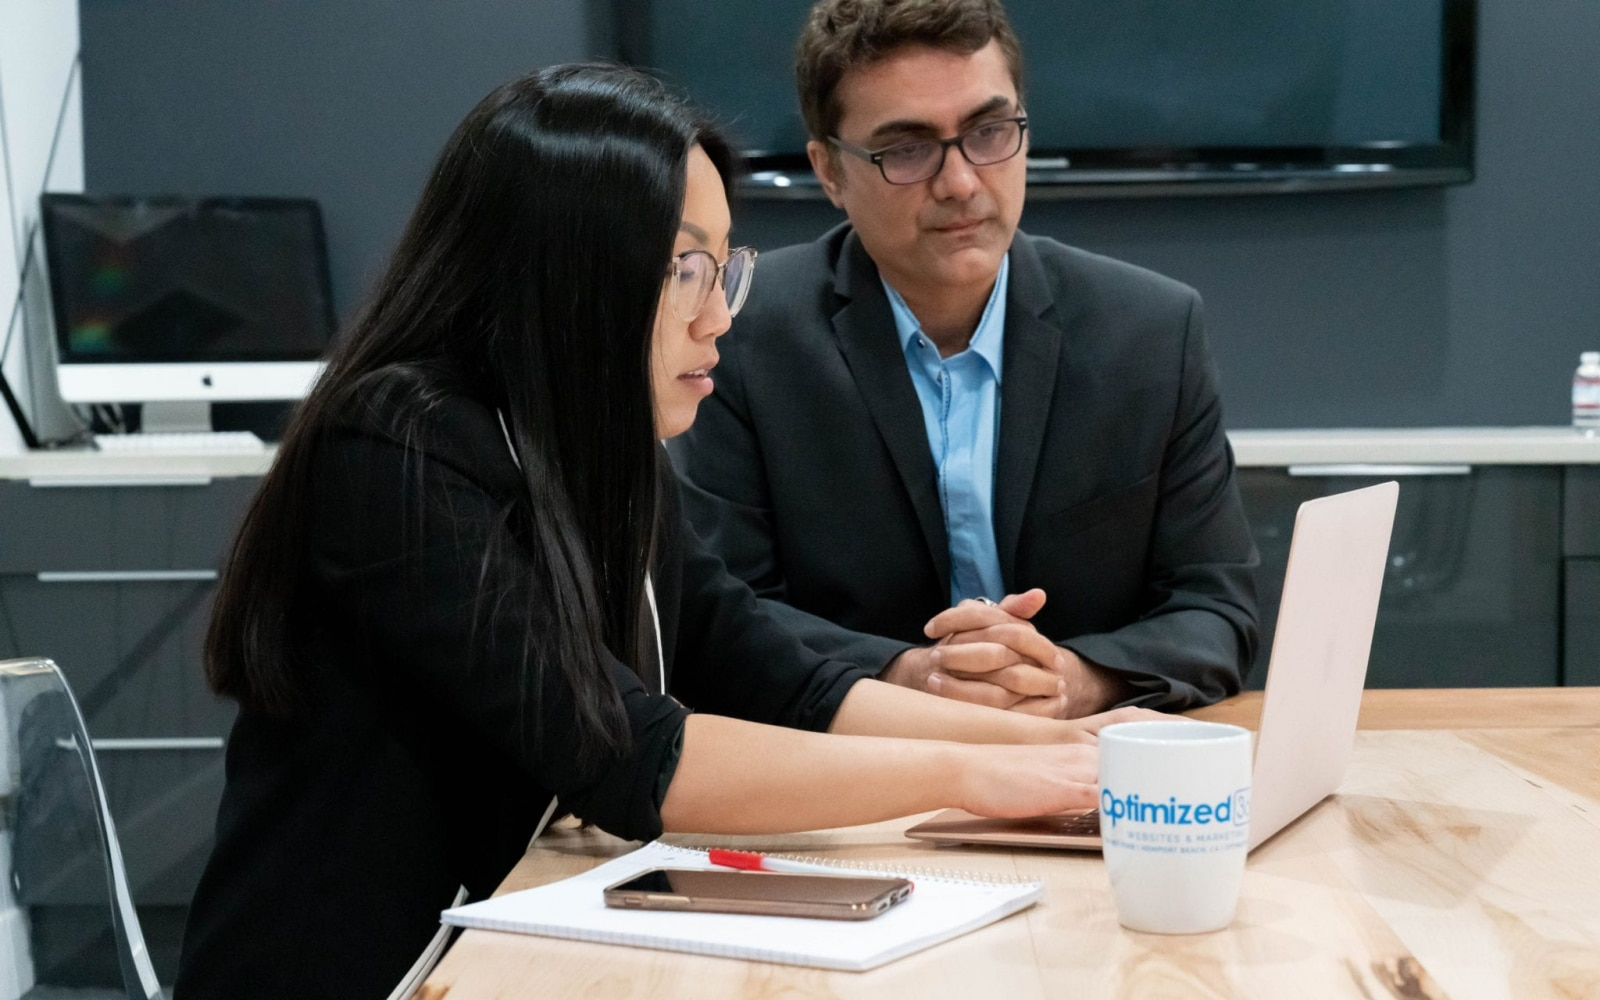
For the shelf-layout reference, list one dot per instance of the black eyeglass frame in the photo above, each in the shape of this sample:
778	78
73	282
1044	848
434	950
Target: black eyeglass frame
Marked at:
719	278
875	156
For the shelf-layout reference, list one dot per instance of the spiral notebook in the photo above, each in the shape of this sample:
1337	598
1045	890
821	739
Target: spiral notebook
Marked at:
944	905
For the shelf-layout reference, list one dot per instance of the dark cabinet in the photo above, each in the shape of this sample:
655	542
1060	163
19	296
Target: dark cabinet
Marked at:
1472	591
1581	631
113	579
1580	515
163	525
130	649
1580	543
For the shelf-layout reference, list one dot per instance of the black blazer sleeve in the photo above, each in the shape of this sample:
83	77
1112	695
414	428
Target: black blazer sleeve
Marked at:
1195	632
733	655
401	546
729	504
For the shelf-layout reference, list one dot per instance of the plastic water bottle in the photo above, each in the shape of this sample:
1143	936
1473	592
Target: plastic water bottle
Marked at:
1586	392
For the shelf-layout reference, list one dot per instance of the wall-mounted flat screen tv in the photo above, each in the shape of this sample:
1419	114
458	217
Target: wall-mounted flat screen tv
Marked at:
1137	96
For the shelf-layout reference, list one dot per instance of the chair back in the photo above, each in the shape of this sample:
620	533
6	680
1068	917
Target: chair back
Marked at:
58	844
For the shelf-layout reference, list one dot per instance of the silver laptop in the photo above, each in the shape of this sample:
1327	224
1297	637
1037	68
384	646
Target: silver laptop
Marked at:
1314	680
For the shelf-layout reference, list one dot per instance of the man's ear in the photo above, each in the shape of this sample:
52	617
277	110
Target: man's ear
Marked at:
825	164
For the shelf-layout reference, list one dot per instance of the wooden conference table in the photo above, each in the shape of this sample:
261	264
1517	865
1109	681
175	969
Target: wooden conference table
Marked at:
1461	858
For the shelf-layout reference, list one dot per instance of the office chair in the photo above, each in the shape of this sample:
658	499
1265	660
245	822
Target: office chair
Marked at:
58	848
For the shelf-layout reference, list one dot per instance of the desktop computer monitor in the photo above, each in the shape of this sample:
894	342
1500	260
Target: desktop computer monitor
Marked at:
186	300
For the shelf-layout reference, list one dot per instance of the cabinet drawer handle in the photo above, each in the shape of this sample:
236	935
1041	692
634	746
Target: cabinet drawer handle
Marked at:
128	576
1379	470
101	482
152	743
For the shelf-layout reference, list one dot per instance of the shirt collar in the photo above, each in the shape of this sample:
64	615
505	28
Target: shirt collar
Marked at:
987	340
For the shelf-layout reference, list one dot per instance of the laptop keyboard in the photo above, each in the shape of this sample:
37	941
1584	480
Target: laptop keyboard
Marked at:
180	443
1079	824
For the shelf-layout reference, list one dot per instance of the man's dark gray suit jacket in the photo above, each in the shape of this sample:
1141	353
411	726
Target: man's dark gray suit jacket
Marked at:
809	471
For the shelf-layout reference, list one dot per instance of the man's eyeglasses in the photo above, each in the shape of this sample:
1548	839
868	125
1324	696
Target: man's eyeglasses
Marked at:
695	274
912	162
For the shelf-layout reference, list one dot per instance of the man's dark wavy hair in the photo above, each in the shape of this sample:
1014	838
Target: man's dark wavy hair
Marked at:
841	35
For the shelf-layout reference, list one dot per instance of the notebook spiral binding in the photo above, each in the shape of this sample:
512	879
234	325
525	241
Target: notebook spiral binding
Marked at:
914	872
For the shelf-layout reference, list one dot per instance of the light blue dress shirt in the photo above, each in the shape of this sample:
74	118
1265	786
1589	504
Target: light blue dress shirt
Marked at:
960	398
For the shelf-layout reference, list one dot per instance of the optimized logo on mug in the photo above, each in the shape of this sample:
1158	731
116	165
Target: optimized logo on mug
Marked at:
1173	826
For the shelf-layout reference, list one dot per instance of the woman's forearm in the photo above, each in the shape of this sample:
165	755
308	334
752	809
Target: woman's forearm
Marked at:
744	777
875	708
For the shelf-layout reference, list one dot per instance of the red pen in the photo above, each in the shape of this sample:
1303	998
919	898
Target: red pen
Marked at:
761	863
749	862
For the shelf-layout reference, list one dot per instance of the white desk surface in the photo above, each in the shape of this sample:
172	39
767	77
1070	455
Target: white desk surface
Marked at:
1448	864
1252	448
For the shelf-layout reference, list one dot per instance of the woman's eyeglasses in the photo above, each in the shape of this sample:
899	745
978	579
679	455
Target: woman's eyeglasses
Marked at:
695	274
912	162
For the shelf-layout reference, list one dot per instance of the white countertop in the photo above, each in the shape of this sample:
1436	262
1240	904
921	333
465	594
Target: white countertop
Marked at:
85	465
1252	448
1417	446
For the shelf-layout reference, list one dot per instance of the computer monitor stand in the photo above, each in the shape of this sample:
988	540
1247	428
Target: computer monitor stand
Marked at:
185	416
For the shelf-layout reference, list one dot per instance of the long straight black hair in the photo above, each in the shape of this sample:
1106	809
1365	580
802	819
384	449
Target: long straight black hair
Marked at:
528	277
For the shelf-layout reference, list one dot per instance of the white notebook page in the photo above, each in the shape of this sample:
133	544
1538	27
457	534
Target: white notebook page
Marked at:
939	909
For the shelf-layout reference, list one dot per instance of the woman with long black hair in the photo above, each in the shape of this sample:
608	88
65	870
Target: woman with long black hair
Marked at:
464	592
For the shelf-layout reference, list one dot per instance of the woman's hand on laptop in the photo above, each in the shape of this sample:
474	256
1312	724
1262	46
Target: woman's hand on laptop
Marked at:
1008	782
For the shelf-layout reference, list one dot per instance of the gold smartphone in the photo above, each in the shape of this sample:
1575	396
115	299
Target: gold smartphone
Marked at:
833	897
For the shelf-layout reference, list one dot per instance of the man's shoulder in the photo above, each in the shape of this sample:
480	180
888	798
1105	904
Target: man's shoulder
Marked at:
820	254
791	303
1074	270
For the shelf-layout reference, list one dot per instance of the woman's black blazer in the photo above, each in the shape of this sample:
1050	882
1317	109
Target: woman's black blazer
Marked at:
416	765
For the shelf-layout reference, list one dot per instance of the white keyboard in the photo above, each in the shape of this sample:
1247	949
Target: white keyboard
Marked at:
183	443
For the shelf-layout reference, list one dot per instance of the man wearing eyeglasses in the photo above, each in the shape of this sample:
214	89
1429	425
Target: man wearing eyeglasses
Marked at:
987	463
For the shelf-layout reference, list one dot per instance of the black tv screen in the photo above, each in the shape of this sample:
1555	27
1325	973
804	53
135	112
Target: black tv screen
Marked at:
1139	96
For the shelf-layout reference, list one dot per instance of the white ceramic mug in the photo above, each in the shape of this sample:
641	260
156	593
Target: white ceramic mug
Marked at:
1175	822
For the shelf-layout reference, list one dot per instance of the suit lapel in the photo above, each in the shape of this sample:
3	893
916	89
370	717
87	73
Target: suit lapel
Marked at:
866	333
1027	390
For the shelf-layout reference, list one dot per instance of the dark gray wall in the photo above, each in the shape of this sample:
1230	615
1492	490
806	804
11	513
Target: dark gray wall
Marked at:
345	101
1465	305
